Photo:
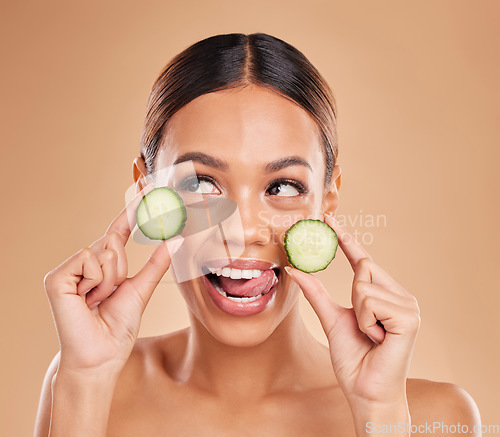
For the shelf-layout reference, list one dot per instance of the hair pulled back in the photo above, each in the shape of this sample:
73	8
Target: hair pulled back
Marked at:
235	60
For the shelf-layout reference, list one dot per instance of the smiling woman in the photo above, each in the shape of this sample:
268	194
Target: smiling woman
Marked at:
258	123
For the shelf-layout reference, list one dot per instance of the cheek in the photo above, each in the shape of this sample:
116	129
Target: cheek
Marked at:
189	291
292	293
279	220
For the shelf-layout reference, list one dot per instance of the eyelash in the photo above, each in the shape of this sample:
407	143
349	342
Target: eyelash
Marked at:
299	186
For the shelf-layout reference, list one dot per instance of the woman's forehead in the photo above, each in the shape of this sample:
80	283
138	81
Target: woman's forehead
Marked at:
244	123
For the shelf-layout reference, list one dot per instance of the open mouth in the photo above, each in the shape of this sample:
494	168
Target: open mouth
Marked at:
244	289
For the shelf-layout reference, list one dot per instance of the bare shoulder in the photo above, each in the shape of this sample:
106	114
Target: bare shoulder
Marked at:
151	359
442	402
162	350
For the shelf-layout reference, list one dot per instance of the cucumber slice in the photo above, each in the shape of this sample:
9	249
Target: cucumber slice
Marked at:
310	245
161	214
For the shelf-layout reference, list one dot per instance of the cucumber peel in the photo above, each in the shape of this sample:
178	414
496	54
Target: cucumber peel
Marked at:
310	245
161	214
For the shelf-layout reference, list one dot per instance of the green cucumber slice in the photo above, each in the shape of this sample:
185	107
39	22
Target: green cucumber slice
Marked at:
310	245
161	214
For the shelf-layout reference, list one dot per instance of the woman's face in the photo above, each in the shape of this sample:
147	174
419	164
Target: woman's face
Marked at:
247	129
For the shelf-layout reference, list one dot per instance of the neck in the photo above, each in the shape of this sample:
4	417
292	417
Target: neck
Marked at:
287	360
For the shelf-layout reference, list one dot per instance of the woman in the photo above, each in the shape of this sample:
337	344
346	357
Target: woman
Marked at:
257	122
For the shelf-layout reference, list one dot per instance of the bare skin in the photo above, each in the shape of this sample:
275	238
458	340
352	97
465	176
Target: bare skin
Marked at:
260	375
151	398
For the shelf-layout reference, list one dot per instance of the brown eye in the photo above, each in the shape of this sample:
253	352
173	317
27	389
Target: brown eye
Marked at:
286	188
199	185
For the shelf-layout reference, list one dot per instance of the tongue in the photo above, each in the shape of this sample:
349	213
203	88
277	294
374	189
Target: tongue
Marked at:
249	287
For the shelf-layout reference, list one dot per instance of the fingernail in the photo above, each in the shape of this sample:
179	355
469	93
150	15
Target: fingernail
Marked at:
372	339
288	270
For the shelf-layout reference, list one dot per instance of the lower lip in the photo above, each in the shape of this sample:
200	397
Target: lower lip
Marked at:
240	308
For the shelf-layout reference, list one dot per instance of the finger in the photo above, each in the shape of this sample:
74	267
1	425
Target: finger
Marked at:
352	249
142	285
398	322
369	271
65	292
115	244
113	241
107	260
363	290
126	219
382	278
77	275
323	305
90	270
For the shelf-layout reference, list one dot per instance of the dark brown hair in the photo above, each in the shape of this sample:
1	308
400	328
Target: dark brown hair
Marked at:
236	60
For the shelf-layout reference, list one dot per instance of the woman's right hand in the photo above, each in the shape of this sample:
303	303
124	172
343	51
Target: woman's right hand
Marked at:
96	308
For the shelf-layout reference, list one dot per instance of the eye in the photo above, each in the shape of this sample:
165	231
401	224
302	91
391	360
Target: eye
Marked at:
198	184
287	188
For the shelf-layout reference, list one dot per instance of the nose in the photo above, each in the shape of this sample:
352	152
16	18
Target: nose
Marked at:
254	227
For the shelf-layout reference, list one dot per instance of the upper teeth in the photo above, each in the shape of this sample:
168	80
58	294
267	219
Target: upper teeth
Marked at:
229	272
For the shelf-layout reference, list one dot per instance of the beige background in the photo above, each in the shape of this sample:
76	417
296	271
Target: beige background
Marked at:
417	89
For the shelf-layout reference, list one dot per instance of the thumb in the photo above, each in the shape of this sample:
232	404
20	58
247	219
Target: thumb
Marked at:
146	280
324	306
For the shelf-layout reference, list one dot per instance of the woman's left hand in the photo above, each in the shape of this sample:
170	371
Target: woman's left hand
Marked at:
370	373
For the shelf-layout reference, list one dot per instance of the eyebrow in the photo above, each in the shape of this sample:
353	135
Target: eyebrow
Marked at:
220	164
